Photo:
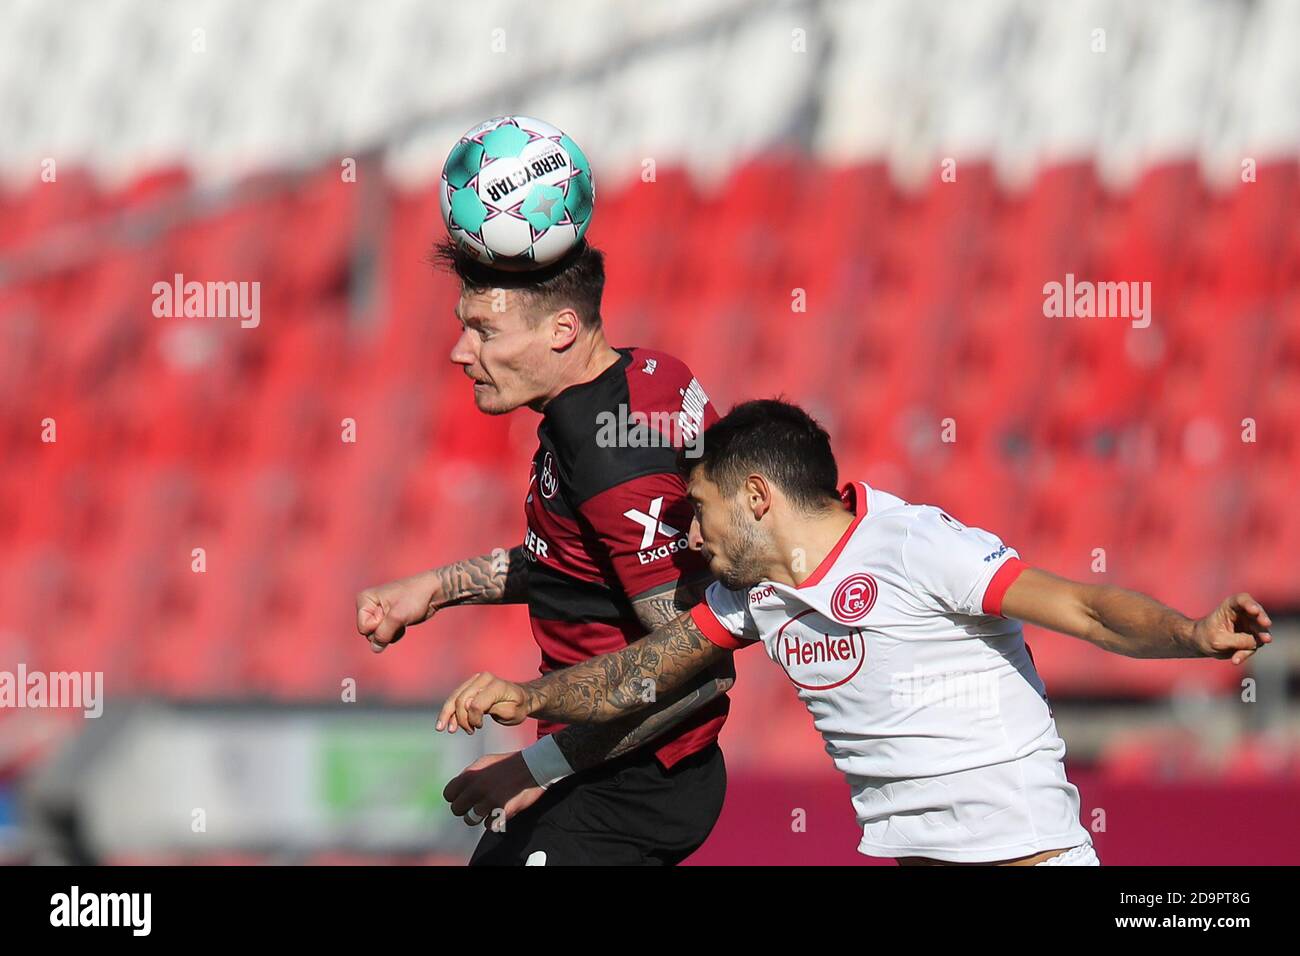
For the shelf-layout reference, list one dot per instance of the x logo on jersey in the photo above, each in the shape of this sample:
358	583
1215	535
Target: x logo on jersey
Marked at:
651	523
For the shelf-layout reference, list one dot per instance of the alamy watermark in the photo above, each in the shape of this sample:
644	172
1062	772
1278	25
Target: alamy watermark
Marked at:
1101	300
22	689
128	910
208	300
956	690
626	428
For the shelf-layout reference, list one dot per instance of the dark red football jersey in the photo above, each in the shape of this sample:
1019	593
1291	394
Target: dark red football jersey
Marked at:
608	517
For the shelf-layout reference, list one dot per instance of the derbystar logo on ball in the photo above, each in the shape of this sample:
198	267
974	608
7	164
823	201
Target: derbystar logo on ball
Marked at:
517	193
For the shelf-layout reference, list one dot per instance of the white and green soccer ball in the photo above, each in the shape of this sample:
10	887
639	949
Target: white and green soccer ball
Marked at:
516	193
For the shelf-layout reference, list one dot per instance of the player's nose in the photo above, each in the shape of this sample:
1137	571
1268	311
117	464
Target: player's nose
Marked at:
695	540
462	353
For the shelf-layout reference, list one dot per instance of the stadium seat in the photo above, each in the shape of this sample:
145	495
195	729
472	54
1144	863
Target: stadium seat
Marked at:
922	305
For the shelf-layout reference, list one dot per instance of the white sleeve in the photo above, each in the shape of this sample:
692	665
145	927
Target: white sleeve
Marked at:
956	569
723	617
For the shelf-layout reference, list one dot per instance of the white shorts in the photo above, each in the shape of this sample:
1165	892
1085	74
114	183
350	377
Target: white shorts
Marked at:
1081	855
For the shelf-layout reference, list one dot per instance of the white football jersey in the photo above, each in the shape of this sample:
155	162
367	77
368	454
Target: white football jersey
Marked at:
927	698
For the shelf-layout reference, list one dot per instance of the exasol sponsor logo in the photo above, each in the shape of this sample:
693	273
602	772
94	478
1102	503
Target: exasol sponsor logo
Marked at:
651	528
59	689
75	908
208	300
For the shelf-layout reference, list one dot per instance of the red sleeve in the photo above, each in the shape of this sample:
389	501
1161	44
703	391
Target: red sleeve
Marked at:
1002	579
643	524
714	629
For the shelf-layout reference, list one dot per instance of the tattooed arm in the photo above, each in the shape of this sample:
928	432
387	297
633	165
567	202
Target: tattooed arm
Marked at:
598	690
497	578
497	786
385	612
588	745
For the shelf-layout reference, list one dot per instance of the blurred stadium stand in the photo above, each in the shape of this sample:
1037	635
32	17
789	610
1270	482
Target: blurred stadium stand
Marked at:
924	303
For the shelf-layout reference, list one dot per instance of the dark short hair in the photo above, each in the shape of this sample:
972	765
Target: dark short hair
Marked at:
777	440
576	281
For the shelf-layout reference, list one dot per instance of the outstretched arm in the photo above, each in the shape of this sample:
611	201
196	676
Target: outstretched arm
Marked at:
587	745
385	611
497	786
598	690
497	578
1133	624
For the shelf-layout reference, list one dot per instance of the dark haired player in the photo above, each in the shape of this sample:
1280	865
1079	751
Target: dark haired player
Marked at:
900	632
603	562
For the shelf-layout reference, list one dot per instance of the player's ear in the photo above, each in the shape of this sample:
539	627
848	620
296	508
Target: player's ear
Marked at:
758	494
565	326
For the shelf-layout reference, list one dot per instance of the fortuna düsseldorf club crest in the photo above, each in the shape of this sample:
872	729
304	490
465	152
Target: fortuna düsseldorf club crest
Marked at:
854	597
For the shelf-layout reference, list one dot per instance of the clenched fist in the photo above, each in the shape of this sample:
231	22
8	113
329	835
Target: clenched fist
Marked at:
384	612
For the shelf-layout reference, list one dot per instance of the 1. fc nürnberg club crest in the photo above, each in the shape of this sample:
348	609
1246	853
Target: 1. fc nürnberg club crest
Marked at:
854	597
548	482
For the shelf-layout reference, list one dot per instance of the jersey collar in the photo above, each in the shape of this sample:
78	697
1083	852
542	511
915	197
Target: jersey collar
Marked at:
573	395
854	495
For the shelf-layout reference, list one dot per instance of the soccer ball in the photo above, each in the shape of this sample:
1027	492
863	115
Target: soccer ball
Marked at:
516	193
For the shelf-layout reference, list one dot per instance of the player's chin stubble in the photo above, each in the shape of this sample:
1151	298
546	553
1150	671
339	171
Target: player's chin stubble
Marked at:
488	408
745	566
489	401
